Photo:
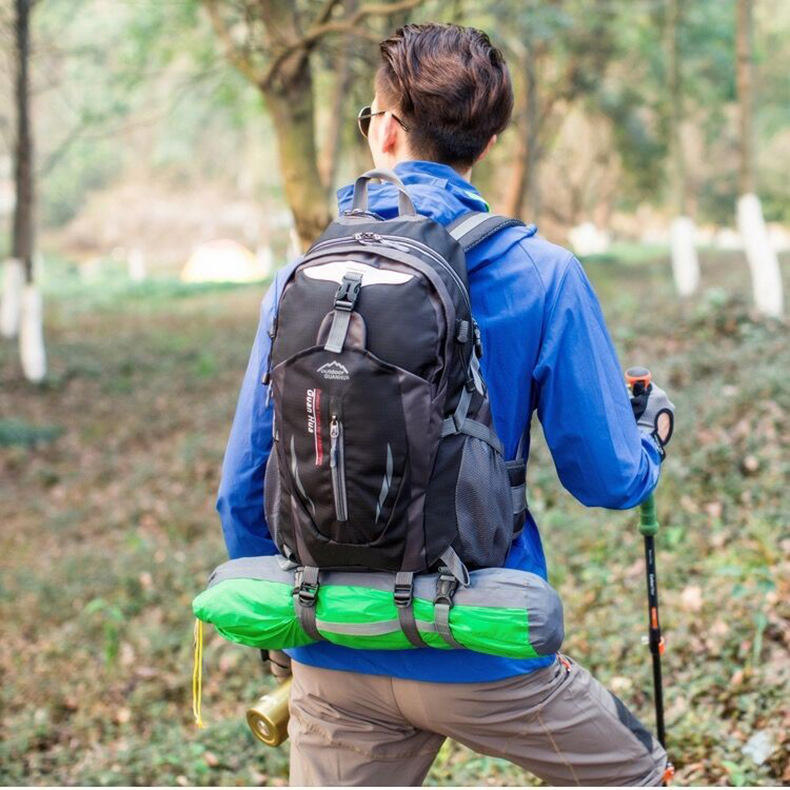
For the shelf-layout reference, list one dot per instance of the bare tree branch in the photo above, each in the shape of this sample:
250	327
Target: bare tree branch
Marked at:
326	12
349	24
236	56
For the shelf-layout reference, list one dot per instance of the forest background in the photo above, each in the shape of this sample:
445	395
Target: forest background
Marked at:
166	156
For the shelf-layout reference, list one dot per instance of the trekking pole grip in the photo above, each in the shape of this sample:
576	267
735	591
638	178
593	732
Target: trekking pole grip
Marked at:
638	380
648	521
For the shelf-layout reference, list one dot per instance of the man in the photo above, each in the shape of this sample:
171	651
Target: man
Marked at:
443	94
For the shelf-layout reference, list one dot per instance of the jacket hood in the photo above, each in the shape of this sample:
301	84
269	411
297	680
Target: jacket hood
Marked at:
436	190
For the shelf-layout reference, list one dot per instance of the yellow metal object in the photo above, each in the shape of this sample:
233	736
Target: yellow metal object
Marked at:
268	717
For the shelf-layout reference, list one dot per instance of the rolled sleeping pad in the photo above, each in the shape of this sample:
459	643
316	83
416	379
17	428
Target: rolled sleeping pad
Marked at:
503	612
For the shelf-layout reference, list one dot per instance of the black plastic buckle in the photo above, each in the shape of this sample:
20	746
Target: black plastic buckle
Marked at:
445	588
347	293
478	339
307	594
404	594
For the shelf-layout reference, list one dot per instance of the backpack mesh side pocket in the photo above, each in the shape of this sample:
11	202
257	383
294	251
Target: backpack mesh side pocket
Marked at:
483	505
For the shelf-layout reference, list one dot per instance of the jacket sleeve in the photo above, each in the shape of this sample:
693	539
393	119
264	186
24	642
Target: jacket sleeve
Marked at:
240	499
583	404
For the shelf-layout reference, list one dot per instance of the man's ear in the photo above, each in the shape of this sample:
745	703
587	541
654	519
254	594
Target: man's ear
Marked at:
390	129
488	147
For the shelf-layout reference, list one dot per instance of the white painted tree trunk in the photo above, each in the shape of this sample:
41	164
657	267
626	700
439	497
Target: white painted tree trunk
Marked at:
763	263
685	266
294	245
136	263
265	259
11	304
31	335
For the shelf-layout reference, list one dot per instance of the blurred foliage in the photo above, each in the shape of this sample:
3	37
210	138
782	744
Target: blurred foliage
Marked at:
140	88
109	531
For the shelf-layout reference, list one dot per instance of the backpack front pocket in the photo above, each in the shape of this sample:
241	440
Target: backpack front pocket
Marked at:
356	463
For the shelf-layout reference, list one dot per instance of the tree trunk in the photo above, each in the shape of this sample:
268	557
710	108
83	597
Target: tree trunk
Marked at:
746	177
291	105
23	241
522	196
762	259
11	303
289	97
31	334
685	265
330	152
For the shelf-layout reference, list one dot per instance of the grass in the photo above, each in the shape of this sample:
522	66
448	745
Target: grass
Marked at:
107	480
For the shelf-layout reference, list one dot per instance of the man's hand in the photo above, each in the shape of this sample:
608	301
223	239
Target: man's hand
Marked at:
655	414
279	664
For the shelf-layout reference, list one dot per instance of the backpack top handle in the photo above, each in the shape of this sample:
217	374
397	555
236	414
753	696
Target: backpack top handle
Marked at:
360	203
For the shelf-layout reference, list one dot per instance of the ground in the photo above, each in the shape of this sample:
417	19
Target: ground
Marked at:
108	476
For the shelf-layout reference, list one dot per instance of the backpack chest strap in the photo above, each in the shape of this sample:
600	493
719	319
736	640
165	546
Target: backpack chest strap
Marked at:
345	300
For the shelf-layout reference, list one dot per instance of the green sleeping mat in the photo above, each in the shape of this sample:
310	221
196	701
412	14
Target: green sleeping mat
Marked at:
502	612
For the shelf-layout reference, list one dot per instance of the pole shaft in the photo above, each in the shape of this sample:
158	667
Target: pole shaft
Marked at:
655	641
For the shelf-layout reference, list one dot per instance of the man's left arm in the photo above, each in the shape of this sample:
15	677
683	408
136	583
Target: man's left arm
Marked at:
240	498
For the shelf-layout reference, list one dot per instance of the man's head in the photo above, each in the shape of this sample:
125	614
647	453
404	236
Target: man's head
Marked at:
443	94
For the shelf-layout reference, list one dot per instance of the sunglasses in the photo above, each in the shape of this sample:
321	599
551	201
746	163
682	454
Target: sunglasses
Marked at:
365	115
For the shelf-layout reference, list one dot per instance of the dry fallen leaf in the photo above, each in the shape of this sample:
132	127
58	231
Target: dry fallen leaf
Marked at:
212	761
619	683
691	599
123	715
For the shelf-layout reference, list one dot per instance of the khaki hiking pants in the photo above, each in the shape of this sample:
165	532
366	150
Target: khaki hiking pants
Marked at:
350	729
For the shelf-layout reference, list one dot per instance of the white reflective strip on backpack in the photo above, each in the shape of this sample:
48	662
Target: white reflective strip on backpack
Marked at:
333	272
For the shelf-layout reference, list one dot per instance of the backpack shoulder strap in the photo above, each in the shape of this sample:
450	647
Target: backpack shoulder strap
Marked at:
475	226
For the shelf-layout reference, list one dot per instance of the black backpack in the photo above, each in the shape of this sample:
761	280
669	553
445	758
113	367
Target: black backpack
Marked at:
385	456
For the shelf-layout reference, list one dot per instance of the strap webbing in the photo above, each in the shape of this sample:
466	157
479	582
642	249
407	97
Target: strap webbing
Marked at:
450	424
441	618
519	496
472	228
305	594
404	593
474	369
345	299
479	431
338	331
456	566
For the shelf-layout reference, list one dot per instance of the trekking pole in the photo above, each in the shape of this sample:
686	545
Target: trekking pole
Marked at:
638	381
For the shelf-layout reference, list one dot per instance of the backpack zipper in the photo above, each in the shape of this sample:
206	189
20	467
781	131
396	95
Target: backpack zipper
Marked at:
337	466
404	245
399	242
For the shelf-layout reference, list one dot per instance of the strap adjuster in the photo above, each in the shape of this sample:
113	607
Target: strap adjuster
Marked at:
404	594
478	339
307	594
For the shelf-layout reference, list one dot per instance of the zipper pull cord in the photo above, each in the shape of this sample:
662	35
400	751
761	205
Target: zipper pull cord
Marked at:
197	675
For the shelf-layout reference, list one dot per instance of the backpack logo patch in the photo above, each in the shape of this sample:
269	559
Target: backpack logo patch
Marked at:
334	371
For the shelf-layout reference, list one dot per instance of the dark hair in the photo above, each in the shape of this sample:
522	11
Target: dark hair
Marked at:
451	87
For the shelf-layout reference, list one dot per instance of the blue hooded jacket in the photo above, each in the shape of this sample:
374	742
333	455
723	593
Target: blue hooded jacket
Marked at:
546	348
